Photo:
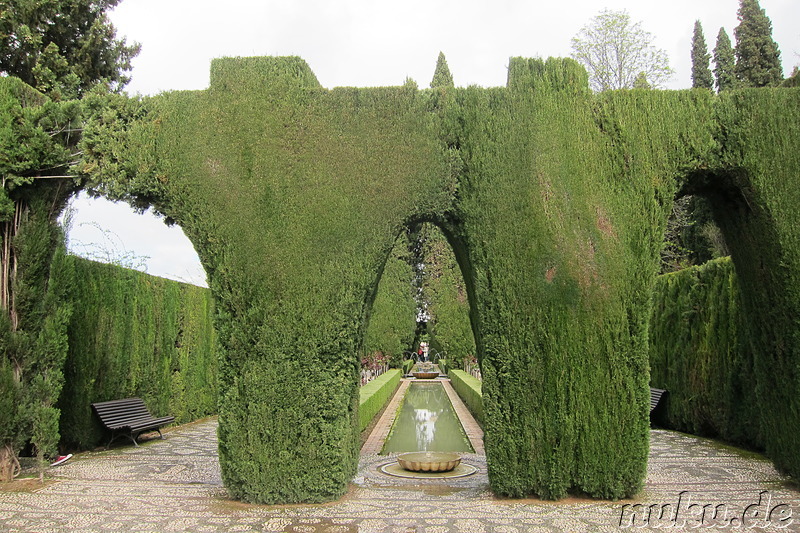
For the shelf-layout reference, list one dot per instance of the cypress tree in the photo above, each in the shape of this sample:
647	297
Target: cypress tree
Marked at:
725	62
63	47
701	72
758	61
442	76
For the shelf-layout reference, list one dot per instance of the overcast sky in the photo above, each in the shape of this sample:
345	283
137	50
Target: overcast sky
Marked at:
367	43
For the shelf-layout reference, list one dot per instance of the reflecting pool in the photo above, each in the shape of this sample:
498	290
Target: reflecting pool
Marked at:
426	422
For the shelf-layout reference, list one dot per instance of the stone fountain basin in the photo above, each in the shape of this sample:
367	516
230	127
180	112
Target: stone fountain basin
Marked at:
425	375
429	461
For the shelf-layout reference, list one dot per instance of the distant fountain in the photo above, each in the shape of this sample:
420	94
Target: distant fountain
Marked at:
425	371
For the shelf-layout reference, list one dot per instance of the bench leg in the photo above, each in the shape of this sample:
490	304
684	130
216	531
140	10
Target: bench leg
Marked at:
115	437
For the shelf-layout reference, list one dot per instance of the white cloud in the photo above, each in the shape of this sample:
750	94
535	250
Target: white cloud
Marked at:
101	229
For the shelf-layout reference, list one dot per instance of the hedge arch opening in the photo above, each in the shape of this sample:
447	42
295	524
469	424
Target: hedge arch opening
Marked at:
740	382
115	233
133	333
446	317
420	295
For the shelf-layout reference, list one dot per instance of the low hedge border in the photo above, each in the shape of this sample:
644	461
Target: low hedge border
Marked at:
469	389
375	394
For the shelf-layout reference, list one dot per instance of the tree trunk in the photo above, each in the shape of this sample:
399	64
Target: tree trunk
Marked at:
9	464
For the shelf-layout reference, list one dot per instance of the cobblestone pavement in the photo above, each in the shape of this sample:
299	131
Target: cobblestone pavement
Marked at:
174	485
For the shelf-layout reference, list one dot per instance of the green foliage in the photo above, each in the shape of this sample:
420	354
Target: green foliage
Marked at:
9	398
445	295
63	48
692	236
33	337
442	76
555	202
36	142
699	352
36	139
132	334
616	51
392	320
290	339
469	389
724	63
641	82
701	72
758	60
561	287
117	150
756	205
374	395
793	80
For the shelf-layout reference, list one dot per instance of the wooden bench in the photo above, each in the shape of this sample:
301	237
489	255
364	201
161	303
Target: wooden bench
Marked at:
128	418
655	397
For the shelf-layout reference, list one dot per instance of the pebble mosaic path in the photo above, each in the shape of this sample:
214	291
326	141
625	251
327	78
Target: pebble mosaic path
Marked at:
174	485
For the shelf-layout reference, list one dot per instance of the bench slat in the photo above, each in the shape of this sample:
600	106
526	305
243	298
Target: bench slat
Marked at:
128	417
655	397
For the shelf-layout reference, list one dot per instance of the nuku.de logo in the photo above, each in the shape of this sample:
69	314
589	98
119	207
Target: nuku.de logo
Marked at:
685	513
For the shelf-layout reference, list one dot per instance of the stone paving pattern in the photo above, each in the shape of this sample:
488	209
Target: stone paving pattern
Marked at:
175	485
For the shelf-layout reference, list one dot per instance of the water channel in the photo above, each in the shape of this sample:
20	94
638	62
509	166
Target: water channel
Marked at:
426	422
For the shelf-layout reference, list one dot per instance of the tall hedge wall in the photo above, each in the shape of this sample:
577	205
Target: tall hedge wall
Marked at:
375	394
555	202
700	352
469	389
132	334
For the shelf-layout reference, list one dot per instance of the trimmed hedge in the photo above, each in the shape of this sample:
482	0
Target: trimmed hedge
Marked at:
699	352
561	213
374	395
755	198
293	196
555	201
393	313
132	334
445	294
469	389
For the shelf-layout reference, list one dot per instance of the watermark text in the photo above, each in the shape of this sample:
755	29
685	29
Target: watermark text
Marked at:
685	512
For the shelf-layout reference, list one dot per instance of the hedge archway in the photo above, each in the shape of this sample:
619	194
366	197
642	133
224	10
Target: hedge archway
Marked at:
554	199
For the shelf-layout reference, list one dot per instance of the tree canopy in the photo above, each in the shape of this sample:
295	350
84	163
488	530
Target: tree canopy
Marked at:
442	76
616	51
758	60
63	47
724	62
701	72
